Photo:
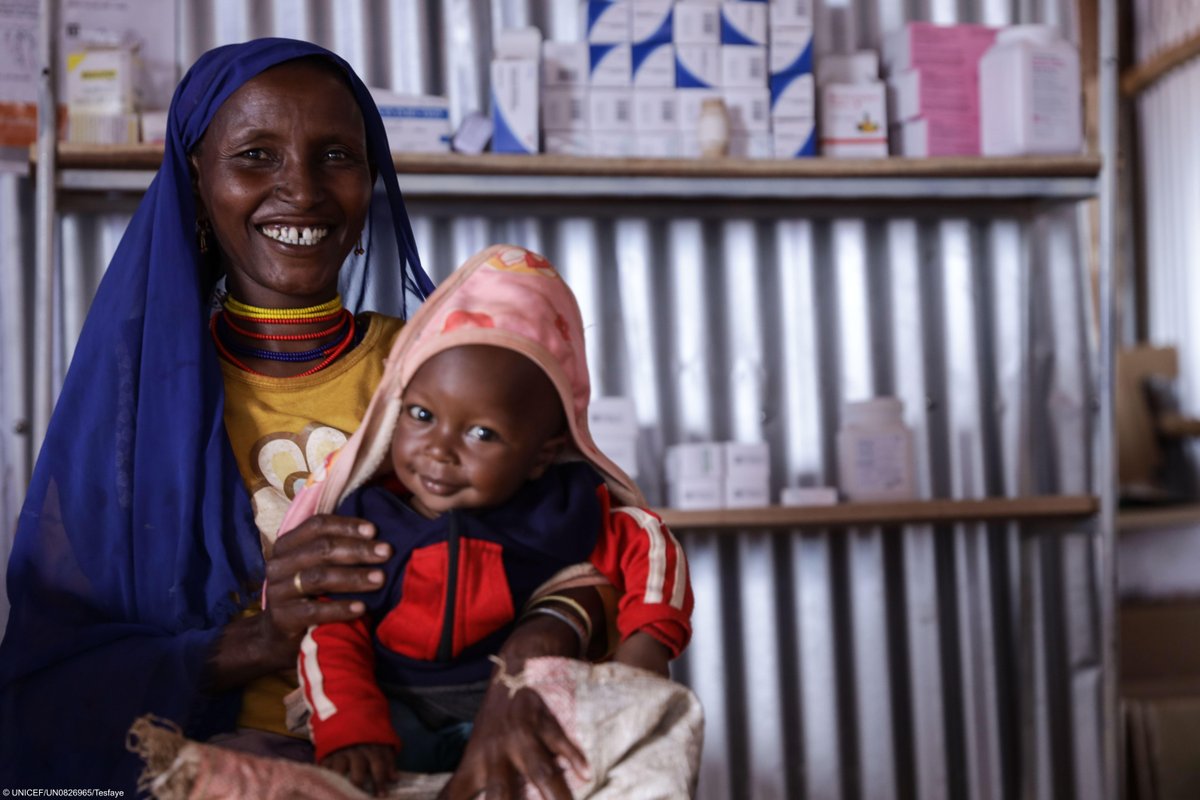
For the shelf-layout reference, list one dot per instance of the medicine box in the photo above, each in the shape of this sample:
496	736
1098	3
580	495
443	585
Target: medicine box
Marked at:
808	496
744	23
795	138
697	66
917	93
610	65
613	417
784	13
610	144
610	109
515	106
690	101
752	145
565	64
746	492
652	21
790	50
513	43
655	111
103	81
565	108
937	135
696	23
853	120
653	65
749	110
747	458
414	123
696	494
793	96
743	66
658	145
567	143
607	21
925	44
695	460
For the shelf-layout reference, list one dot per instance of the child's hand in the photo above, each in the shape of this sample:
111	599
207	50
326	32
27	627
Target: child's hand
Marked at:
644	651
370	767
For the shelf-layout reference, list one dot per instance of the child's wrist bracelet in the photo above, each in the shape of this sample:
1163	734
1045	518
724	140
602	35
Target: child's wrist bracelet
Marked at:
564	617
572	604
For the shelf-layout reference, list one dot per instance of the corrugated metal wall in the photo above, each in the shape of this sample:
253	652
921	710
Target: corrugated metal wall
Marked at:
1168	115
957	661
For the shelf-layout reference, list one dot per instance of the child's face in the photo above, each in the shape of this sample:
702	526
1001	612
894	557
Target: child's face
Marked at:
477	422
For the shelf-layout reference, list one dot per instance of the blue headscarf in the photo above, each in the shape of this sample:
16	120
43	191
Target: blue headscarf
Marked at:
136	543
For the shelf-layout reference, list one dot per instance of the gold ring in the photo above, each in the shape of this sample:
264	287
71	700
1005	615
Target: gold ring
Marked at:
297	583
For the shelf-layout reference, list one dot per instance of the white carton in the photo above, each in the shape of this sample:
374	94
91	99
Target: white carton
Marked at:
651	21
695	494
414	123
695	460
515	106
565	108
853	120
565	64
659	145
808	496
795	138
610	65
793	96
653	65
568	143
517	43
607	21
697	66
859	67
791	49
790	12
103	81
612	417
696	23
752	145
154	126
917	93
747	458
746	491
743	66
690	102
623	452
749	110
609	144
86	127
655	111
611	110
744	23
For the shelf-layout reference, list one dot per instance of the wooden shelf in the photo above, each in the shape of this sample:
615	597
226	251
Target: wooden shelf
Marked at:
1178	516
493	175
906	513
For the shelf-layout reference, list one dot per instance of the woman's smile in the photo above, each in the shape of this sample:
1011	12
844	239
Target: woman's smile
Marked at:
290	234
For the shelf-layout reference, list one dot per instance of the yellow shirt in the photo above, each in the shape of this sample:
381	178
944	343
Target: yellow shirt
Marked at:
280	429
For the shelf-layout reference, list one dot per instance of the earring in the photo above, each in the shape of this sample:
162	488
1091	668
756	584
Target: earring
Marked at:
202	229
358	248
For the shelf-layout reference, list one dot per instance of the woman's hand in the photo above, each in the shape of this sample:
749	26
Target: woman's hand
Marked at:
324	554
516	739
370	767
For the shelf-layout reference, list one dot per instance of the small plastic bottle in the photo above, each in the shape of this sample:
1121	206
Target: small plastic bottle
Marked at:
1029	94
713	128
875	451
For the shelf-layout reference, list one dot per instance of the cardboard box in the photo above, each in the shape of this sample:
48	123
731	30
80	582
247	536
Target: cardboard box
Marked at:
917	93
568	143
795	138
744	23
612	417
414	123
918	45
743	66
853	120
653	65
784	13
652	21
611	110
790	50
607	21
696	23
655	111
515	106
746	492
747	458
697	66
565	64
610	65
695	460
696	494
749	110
103	81
793	96
565	108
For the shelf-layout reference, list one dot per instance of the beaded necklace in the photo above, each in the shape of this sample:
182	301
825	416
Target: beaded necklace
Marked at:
330	311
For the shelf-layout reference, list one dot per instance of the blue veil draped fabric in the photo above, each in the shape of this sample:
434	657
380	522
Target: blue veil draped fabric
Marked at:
136	543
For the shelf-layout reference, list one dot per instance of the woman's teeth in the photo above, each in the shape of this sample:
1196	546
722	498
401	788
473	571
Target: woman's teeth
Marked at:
292	235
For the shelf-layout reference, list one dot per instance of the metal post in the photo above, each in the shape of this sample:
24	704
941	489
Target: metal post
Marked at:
45	225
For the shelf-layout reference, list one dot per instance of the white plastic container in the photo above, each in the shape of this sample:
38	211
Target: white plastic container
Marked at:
1029	94
875	451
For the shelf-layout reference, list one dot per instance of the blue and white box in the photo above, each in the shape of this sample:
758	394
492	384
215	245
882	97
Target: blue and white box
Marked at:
791	49
696	23
743	66
565	64
690	101
749	110
610	144
653	65
414	123
610	109
655	111
607	21
651	21
655	145
795	138
790	12
793	95
744	23
568	143
565	108
610	65
515	106
697	66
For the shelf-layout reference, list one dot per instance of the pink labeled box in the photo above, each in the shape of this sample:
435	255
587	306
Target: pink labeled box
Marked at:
917	93
937	135
918	45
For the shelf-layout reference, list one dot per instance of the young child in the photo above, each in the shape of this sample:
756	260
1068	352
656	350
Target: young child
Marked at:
494	487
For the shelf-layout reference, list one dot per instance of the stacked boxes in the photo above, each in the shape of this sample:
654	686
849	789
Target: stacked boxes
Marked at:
933	87
793	89
515	84
566	102
655	109
743	47
718	475
612	422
